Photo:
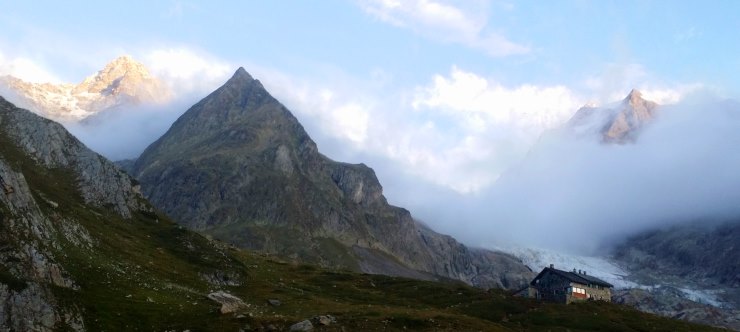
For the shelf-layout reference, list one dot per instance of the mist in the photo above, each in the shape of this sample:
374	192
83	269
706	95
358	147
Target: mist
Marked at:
124	133
574	194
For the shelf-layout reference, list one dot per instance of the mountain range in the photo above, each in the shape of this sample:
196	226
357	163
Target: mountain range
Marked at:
82	249
239	168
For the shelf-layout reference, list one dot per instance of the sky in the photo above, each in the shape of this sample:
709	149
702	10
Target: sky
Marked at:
440	97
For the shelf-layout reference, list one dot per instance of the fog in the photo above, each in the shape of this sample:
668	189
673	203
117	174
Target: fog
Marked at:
124	133
574	194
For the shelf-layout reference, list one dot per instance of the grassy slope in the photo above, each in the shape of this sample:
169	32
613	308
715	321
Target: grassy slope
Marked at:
144	274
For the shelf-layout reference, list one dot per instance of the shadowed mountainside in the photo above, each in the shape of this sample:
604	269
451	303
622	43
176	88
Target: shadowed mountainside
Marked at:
239	166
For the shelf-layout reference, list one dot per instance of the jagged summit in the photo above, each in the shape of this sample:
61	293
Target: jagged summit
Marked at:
241	73
618	124
244	85
634	96
122	82
122	75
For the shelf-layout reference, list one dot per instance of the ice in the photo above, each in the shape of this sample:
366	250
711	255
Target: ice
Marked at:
599	267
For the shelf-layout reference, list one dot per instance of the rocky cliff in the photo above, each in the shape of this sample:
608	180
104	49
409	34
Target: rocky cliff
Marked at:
122	83
238	165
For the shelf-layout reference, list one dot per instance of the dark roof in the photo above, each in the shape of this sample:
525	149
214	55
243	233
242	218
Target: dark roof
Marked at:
573	277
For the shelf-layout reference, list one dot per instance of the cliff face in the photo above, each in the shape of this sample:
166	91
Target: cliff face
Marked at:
238	165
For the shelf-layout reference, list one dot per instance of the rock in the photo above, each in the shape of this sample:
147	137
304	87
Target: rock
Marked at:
274	303
229	303
325	320
302	326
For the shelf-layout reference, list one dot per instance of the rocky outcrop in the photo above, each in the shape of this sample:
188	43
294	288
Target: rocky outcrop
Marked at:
27	268
229	303
238	165
123	82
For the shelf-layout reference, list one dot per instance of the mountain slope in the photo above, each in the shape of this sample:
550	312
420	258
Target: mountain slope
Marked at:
239	166
122	83
78	238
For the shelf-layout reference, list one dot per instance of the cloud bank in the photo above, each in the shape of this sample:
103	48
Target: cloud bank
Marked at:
25	69
575	194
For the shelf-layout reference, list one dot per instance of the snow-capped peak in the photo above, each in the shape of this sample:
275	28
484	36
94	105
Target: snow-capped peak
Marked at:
123	81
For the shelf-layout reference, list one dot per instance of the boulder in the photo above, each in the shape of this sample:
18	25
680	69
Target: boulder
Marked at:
302	326
229	303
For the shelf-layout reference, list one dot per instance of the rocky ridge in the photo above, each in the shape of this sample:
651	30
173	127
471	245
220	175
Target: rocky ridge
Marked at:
122	83
239	166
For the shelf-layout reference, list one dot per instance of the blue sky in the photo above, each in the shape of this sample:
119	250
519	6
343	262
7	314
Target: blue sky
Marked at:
448	94
564	42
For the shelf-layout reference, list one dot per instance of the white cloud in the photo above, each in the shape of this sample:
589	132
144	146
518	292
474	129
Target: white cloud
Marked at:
25	69
480	103
491	125
187	71
616	80
681	169
444	22
458	132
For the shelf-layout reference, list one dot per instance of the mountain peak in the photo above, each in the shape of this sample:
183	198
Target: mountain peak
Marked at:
240	79
634	97
124	65
241	72
123	81
124	70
